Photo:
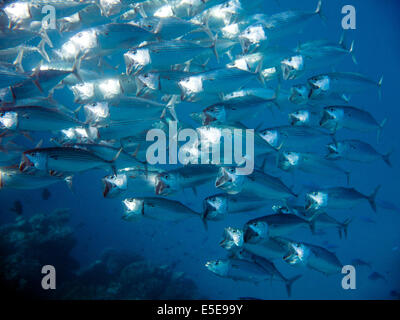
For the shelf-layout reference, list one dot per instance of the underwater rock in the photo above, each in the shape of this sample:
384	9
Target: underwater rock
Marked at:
29	244
119	275
47	239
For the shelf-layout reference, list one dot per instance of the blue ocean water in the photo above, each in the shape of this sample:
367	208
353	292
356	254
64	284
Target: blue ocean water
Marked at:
97	221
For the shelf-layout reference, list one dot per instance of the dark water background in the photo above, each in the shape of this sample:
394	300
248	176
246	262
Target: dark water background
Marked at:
188	246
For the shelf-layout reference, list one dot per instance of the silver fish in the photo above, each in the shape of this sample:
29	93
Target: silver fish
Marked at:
129	182
156	208
35	118
189	176
356	150
338	198
314	257
336	117
55	160
258	183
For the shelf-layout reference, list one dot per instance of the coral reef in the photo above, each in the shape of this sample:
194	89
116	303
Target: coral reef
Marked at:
29	244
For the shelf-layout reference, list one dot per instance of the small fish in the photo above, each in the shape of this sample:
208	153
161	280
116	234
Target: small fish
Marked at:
233	110
312	56
103	40
376	276
55	160
129	182
161	55
243	270
336	117
218	206
310	163
295	138
274	225
276	26
313	257
17	208
360	263
340	82
12	178
46	194
216	81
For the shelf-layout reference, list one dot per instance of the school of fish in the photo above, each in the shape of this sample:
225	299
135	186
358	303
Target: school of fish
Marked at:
131	66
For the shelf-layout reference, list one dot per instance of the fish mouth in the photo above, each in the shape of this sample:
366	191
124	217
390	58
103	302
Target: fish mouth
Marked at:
208	119
332	152
160	187
293	119
224	178
309	205
288	256
25	164
107	188
249	234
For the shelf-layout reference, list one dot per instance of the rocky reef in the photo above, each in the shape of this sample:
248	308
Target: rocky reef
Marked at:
29	244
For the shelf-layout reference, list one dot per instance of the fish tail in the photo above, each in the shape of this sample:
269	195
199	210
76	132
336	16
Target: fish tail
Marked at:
386	158
258	72
45	37
372	198
68	181
214	49
311	224
351	51
76	68
319	10
379	132
289	283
